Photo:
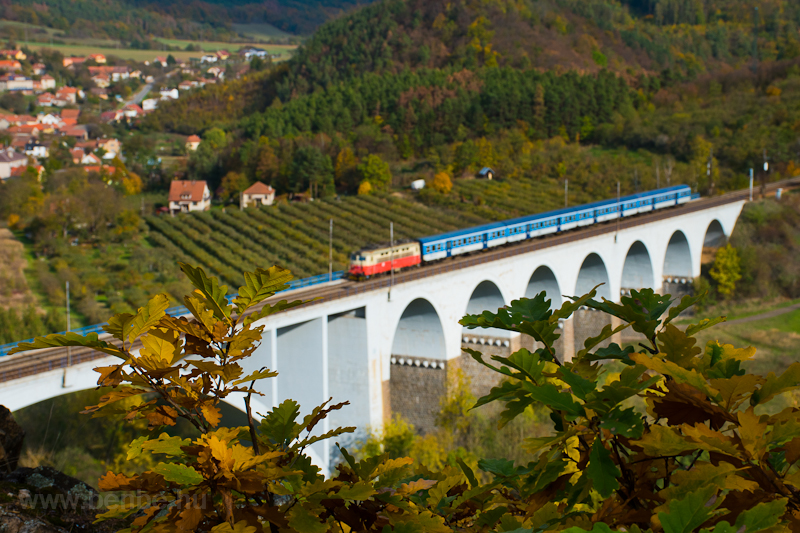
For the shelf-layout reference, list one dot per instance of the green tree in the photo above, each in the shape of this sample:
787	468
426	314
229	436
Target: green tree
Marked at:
376	171
312	171
726	270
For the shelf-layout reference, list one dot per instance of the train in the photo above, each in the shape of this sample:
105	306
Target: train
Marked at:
380	259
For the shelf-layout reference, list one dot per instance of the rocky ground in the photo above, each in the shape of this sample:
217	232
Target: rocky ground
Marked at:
42	499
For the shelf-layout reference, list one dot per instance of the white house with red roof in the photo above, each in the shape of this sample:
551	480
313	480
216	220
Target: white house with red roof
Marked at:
189	195
9	160
258	194
192	142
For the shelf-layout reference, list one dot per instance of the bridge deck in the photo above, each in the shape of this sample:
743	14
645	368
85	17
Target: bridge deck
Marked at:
30	363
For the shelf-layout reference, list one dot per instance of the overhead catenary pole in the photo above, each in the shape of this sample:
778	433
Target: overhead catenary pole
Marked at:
566	192
619	213
330	252
69	325
751	184
391	256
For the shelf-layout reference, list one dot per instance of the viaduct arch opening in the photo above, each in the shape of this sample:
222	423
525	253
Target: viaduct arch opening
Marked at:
418	375
485	297
593	272
637	272
713	239
543	280
678	259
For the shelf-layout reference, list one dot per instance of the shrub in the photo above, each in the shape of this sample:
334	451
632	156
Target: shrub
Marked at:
673	437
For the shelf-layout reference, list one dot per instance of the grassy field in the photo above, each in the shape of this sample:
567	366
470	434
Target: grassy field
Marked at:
38	37
261	32
149	55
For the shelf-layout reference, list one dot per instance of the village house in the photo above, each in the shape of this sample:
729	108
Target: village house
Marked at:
223	55
14	54
169	94
99	92
132	111
209	58
39	69
78	132
45	100
112	147
258	194
185	196
217	72
9	160
48	82
192	142
15	82
30	130
160	61
20	170
111	116
49	119
80	157
66	96
112	73
72	61
70	114
34	148
149	104
185	85
102	80
10	65
100	59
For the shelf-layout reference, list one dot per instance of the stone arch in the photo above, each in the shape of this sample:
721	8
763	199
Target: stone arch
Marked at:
637	272
419	332
678	258
543	280
593	272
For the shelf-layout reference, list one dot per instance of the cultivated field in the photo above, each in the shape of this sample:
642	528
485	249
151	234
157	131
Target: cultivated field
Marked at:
295	236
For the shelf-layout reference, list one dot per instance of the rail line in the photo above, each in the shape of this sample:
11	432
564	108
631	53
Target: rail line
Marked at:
35	362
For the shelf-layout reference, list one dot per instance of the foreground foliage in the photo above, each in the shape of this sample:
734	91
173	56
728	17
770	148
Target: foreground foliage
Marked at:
681	439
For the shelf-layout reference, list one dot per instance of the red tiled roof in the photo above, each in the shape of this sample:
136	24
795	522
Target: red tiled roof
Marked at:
259	188
194	189
70	113
193	139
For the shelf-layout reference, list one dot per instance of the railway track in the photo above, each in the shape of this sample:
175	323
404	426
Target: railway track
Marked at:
30	363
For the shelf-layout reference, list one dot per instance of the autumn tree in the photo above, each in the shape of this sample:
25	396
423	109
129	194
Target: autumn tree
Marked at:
375	170
726	270
442	182
232	185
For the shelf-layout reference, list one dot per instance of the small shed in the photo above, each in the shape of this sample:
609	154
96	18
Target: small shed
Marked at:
486	173
418	184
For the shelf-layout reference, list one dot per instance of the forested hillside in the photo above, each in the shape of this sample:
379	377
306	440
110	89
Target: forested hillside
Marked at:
436	86
138	20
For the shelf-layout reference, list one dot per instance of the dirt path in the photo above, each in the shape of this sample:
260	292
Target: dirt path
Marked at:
761	316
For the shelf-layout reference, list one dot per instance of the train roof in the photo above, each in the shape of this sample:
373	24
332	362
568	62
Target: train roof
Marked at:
547	214
593	205
458	233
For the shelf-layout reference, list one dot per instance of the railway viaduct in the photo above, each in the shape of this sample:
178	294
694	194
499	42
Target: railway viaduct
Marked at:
391	348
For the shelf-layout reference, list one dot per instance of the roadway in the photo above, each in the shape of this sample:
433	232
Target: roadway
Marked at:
29	363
